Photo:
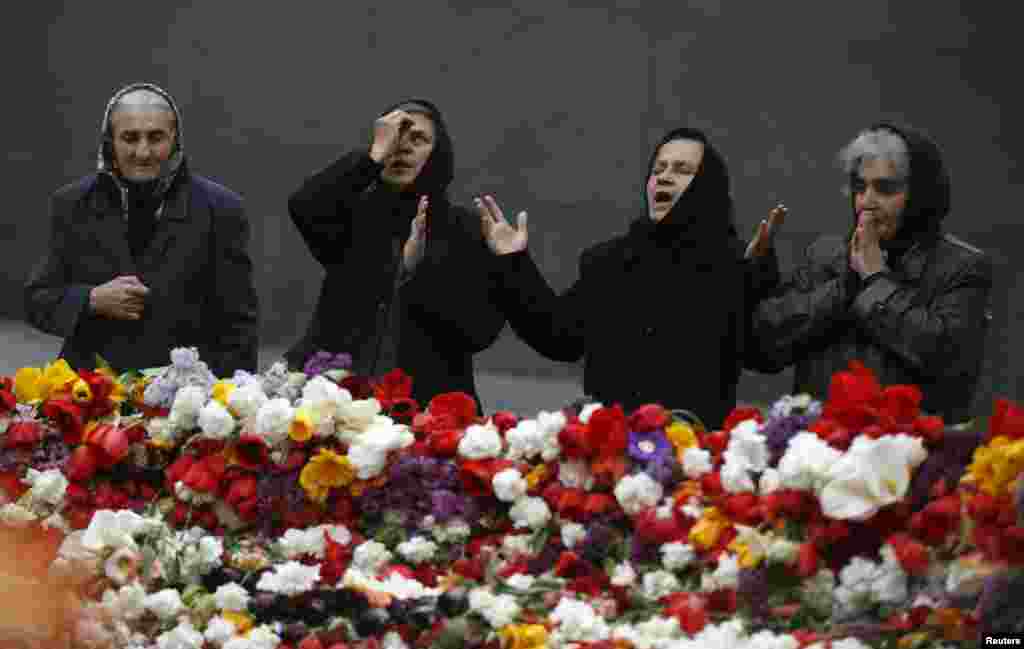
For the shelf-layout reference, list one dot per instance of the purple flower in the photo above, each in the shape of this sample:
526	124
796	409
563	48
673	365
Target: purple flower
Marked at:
778	431
647	447
663	469
322	361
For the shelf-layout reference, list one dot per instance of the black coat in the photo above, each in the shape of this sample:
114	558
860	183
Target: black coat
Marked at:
446	307
923	322
649	330
197	267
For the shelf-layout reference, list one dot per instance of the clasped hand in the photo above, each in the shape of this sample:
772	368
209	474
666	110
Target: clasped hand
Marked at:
122	298
866	256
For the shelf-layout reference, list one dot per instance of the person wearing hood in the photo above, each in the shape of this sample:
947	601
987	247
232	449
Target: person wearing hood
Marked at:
895	293
408	283
144	255
659	314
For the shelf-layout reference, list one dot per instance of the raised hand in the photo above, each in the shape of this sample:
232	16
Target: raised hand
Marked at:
502	238
416	245
764	235
387	133
122	298
866	256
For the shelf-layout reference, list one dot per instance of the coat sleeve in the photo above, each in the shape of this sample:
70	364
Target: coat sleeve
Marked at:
232	300
816	297
54	302
458	294
762	280
942	338
322	208
550	323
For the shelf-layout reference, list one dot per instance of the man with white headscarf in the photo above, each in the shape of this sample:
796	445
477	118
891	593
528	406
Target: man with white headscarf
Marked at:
145	256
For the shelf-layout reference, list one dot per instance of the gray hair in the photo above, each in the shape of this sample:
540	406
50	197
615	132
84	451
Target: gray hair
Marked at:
875	144
142	98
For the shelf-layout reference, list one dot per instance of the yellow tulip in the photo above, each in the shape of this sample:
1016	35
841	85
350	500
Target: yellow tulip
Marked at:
242	621
81	392
682	436
536	475
706	532
523	636
303	425
28	384
58	376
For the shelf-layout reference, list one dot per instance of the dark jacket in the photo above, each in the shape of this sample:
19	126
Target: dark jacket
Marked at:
184	236
197	268
440	315
659	314
923	322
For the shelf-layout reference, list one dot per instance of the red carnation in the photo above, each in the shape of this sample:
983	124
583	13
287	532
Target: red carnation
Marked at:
205	475
930	428
360	387
569	503
689	608
937	521
457	409
10	482
23	433
652	529
391	387
597	504
504	420
807	560
575	441
444	443
648	417
113	440
739	415
251	452
744	508
608	431
8	402
404	411
913	556
1007	420
476	475
716	442
853	397
570	566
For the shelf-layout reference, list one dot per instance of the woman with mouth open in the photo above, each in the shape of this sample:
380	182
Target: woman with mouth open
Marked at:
396	293
661	313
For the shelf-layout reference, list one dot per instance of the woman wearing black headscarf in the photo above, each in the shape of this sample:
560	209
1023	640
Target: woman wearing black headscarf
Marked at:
660	314
408	280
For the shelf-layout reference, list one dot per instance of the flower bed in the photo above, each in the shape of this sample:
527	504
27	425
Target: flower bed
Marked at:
325	510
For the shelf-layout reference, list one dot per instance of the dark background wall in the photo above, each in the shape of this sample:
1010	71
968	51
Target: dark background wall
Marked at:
554	107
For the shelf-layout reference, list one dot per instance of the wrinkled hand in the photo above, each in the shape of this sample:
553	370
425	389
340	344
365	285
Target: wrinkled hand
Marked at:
122	298
387	133
866	256
764	235
416	245
502	238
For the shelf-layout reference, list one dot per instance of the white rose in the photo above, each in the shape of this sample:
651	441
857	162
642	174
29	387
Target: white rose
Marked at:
509	485
188	401
872	474
354	417
480	442
110	529
806	462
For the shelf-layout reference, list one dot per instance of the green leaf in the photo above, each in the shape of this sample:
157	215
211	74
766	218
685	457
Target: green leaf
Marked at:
102	364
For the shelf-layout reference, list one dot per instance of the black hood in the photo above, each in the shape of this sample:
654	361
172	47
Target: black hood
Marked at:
439	170
928	191
703	215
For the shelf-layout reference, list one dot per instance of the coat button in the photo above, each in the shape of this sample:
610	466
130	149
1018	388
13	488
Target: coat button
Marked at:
648	331
382	307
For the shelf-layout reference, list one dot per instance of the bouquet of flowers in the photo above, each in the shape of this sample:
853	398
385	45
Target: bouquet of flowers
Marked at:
319	509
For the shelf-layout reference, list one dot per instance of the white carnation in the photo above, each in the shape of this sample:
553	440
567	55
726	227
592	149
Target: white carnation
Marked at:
509	485
231	597
262	637
550	425
514	546
353	418
677	555
624	575
291	578
572	534
183	636
726	574
165	604
371	556
696	462
770	482
274	419
748	446
480	442
783	551
215	421
577	622
498	610
393	641
219	631
520	581
48	487
525	440
418	549
638	492
188	401
806	462
736	477
659	583
530	512
110	529
247	400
